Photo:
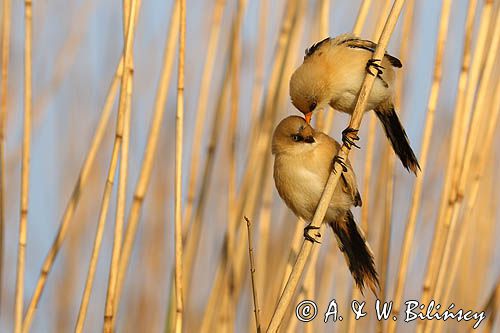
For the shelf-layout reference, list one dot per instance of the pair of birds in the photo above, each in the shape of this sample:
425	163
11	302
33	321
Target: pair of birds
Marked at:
332	74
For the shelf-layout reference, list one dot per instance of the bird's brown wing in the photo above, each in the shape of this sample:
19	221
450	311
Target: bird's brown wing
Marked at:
370	46
310	50
349	186
348	178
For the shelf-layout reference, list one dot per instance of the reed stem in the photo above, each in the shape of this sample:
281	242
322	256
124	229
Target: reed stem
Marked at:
6	13
122	141
179	305
25	169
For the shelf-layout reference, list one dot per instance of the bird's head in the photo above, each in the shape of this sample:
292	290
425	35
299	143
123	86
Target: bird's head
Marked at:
293	134
309	89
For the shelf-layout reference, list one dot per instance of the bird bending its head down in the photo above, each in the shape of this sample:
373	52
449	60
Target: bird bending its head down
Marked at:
332	74
302	164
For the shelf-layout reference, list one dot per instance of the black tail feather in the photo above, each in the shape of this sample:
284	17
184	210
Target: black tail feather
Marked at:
397	135
356	251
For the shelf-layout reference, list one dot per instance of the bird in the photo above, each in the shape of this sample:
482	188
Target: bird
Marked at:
303	160
332	73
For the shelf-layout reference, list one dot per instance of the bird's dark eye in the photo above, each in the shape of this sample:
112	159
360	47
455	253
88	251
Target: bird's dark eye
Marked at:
297	138
312	106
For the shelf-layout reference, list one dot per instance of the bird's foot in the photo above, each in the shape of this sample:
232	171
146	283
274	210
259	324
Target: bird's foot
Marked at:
349	135
309	237
378	68
373	63
339	160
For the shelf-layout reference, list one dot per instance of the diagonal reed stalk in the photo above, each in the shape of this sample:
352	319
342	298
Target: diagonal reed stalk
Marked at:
361	18
471	91
105	203
294	251
368	170
310	279
194	228
356	30
257	154
466	86
309	284
201	110
108	188
121	141
220	114
237	261
326	124
287	66
228	297
426	141
370	144
307	246
192	242
467	227
258	84
3	118
75	196
328	268
484	153
259	150
492	307
479	110
327	127
179	124
307	289
25	169
459	111
150	151
385	238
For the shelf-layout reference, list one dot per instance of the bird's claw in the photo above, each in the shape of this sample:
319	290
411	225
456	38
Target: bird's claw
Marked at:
349	135
341	162
309	237
373	63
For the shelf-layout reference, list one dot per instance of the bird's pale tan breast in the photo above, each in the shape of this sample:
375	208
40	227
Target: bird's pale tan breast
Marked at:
297	185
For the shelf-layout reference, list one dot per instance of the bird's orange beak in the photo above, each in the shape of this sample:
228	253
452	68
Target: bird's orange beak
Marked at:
308	117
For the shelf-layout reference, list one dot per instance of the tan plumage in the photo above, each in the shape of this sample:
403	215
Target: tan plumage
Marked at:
332	74
302	164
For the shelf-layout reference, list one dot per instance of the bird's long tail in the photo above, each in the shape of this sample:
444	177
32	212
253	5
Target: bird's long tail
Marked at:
356	251
397	135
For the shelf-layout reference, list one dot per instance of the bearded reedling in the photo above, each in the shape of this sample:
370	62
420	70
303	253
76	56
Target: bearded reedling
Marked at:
303	160
332	74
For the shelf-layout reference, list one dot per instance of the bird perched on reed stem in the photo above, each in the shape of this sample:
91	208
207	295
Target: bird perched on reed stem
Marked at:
303	160
332	74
